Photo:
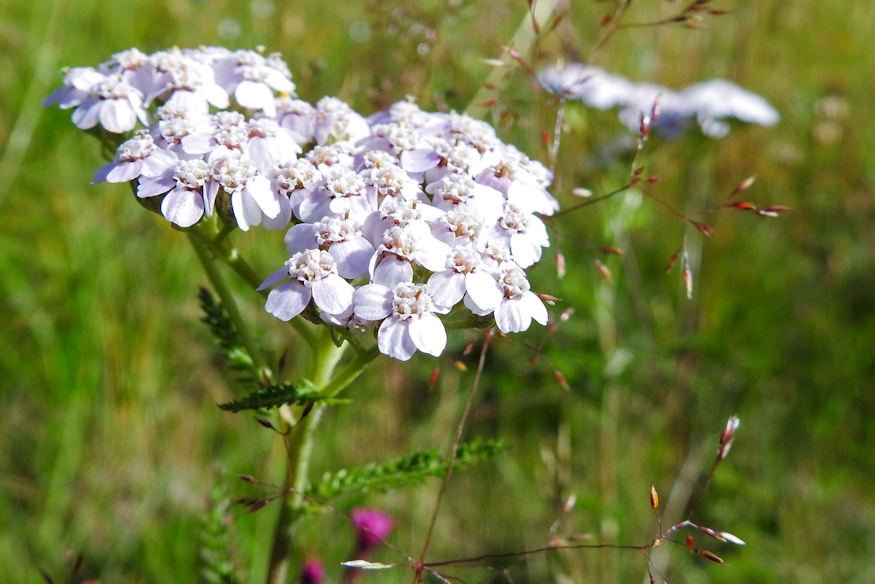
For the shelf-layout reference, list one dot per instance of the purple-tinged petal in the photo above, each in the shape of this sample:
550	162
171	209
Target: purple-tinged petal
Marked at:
373	302
419	160
197	143
333	294
301	237
246	211
392	271
211	190
287	300
86	116
261	192
155	185
352	256
158	162
102	173
278	276
125	171
183	207
282	220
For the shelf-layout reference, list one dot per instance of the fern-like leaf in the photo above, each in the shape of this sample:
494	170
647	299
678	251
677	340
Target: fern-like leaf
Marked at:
273	396
404	472
216	549
226	337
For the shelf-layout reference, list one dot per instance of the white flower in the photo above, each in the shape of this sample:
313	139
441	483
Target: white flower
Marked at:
334	121
392	262
523	233
520	186
464	275
409	316
270	145
312	274
342	237
293	175
113	103
174	124
709	103
193	87
461	190
252	79
252	197
186	202
78	82
517	304
133	158
340	192
386	179
718	99
296	116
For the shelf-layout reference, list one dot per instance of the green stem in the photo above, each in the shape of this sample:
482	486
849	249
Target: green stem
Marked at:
349	373
211	243
299	444
207	259
219	242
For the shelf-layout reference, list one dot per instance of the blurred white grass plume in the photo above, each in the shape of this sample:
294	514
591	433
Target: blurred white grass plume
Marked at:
709	103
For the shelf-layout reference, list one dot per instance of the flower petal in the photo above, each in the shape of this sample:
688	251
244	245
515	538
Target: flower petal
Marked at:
288	300
332	294
183	207
394	340
428	334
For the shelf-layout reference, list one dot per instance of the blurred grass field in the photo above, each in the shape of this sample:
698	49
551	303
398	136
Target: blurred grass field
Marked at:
111	443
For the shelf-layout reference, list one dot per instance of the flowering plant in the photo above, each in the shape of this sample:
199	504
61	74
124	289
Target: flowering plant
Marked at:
397	226
398	220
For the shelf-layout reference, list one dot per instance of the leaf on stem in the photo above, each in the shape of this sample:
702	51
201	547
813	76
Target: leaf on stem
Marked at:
273	396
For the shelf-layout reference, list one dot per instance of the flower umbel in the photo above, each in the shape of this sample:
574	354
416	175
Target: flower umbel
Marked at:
391	220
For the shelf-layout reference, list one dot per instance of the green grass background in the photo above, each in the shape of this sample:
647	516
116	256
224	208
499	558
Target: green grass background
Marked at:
111	444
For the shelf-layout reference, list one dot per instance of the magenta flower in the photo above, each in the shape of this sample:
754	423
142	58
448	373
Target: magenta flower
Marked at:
372	526
312	572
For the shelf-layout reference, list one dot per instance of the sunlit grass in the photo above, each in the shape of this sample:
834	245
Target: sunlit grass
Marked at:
111	435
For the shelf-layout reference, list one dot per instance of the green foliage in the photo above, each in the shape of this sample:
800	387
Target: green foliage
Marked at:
403	472
223	331
274	396
217	542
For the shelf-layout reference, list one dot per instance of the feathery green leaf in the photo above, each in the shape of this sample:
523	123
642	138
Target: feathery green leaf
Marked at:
404	472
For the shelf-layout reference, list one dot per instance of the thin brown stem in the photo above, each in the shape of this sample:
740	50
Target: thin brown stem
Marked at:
456	442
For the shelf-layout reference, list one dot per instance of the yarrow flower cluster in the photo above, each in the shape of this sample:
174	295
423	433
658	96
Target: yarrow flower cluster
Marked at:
393	220
709	103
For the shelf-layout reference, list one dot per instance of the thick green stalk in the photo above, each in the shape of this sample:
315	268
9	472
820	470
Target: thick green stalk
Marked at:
299	446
